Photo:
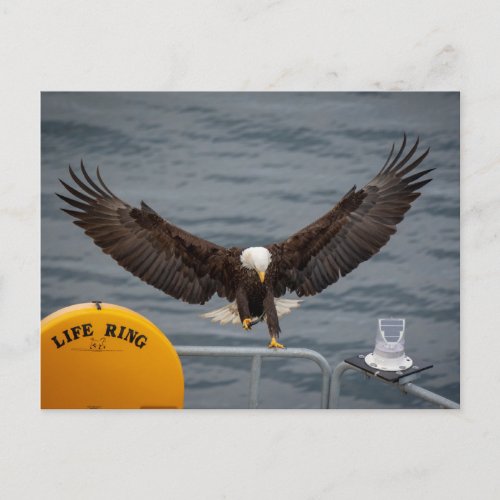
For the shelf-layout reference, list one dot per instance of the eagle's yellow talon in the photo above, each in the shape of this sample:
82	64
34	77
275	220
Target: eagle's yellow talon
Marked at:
275	344
247	324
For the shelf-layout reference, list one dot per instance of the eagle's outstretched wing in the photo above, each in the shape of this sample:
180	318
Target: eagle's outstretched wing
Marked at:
153	249
350	233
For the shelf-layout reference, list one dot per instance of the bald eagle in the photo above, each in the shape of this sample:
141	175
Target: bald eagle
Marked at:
253	279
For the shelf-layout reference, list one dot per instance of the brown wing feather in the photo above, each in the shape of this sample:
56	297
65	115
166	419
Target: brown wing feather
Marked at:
354	230
158	252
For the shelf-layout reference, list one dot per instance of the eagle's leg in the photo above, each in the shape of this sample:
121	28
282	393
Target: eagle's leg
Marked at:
243	309
273	324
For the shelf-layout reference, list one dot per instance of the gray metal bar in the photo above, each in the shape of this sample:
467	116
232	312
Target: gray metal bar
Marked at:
408	387
264	352
254	382
432	397
339	370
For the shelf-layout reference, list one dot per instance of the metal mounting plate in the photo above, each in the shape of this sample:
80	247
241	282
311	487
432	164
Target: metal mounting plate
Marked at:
393	377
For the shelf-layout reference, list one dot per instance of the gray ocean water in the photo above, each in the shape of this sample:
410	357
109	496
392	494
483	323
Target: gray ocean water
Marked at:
247	169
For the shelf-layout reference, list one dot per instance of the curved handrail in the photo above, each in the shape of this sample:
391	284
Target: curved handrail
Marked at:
264	352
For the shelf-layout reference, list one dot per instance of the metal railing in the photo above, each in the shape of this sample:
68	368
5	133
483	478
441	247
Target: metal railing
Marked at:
331	380
257	354
405	384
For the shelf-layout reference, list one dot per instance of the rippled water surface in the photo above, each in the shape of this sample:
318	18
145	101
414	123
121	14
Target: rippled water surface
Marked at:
247	169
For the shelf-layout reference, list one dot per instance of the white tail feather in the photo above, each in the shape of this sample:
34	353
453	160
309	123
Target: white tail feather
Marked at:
224	315
229	313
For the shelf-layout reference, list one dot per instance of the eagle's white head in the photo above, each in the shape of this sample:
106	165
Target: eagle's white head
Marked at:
257	258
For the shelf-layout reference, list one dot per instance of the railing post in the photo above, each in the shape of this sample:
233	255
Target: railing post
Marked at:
254	382
339	370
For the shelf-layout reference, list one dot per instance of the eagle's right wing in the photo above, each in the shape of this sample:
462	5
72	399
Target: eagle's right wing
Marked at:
158	252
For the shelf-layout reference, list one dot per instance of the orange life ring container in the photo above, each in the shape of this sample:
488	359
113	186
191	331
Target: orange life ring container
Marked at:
99	355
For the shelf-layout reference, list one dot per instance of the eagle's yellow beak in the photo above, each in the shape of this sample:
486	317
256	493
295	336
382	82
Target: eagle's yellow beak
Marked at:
262	276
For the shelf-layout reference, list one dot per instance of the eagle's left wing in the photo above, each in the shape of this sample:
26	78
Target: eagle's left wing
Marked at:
350	233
